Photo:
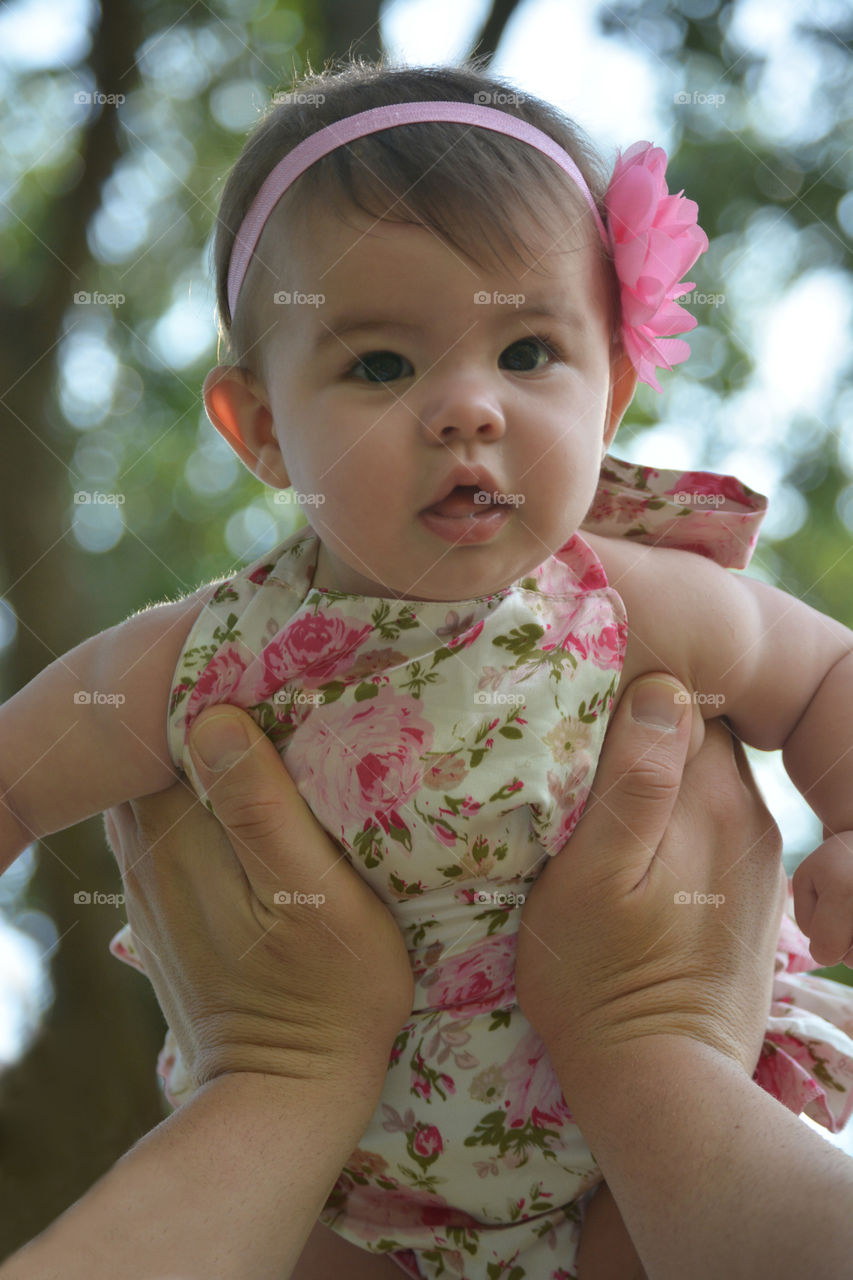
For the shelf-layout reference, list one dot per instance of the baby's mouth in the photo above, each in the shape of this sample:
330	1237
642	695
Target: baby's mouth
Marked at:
465	502
467	516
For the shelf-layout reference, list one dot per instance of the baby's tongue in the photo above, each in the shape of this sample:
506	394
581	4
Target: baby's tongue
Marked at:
460	502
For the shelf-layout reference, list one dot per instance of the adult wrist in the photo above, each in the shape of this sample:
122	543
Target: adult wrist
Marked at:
589	1077
358	1076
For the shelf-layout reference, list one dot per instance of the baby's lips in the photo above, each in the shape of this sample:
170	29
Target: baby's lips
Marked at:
464	500
464	477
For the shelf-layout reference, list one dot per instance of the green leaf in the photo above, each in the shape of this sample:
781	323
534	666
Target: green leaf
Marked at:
365	691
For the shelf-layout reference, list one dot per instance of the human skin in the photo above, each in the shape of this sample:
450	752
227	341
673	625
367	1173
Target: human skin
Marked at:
655	1037
462	382
402	383
639	1045
268	1006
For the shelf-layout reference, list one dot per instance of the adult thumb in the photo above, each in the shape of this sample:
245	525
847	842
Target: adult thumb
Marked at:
638	778
241	776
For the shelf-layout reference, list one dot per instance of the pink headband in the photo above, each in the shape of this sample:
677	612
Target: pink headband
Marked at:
653	236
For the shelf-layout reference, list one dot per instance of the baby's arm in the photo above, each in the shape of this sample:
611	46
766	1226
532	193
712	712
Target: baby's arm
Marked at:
782	674
90	730
802	669
819	758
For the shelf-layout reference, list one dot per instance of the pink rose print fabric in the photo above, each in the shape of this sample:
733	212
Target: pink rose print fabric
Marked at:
450	749
714	516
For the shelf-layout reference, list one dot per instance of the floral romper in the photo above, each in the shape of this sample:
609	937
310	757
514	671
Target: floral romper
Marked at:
450	749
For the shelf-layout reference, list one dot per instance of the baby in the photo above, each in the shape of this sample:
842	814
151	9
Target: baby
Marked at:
437	312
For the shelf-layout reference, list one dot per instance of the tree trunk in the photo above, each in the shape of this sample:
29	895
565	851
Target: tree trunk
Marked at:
493	28
86	1089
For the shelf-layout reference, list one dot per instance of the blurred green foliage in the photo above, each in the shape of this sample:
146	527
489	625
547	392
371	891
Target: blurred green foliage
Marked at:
115	386
136	424
113	154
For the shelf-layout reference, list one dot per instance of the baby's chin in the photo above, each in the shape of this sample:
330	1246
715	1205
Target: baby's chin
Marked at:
446	574
429	588
461	583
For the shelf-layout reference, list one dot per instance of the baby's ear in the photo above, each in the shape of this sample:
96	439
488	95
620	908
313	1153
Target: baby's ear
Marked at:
623	384
237	405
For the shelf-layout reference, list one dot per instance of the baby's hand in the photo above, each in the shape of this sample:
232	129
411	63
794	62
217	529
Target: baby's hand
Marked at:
823	900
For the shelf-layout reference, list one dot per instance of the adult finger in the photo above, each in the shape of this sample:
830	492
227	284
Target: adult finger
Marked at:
241	776
637	781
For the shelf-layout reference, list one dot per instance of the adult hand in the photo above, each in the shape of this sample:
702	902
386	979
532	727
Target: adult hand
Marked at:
248	981
660	916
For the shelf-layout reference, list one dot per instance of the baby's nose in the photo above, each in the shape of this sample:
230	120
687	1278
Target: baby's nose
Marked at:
464	412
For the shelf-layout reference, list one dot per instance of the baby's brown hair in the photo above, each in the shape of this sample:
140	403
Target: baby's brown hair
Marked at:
468	185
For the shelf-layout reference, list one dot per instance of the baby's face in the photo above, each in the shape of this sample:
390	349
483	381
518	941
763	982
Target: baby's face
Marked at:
445	423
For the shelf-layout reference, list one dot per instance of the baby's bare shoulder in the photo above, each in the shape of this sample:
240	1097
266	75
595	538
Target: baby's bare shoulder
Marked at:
658	576
677	603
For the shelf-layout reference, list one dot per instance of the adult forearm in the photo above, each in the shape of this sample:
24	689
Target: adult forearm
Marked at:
229	1186
712	1176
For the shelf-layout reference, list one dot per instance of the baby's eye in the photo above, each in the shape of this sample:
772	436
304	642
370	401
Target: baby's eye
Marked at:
528	354
381	366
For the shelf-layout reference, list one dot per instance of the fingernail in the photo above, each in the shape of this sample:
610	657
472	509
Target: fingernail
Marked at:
219	741
659	703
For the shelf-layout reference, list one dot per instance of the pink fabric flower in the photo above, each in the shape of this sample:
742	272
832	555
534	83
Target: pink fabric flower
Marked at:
356	762
566	629
554	839
427	1142
466	638
444	772
373	1213
533	1089
655	239
705	482
313	647
607	649
586	572
608	505
587	626
792	952
786	1073
478	981
260	575
372	662
216	683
